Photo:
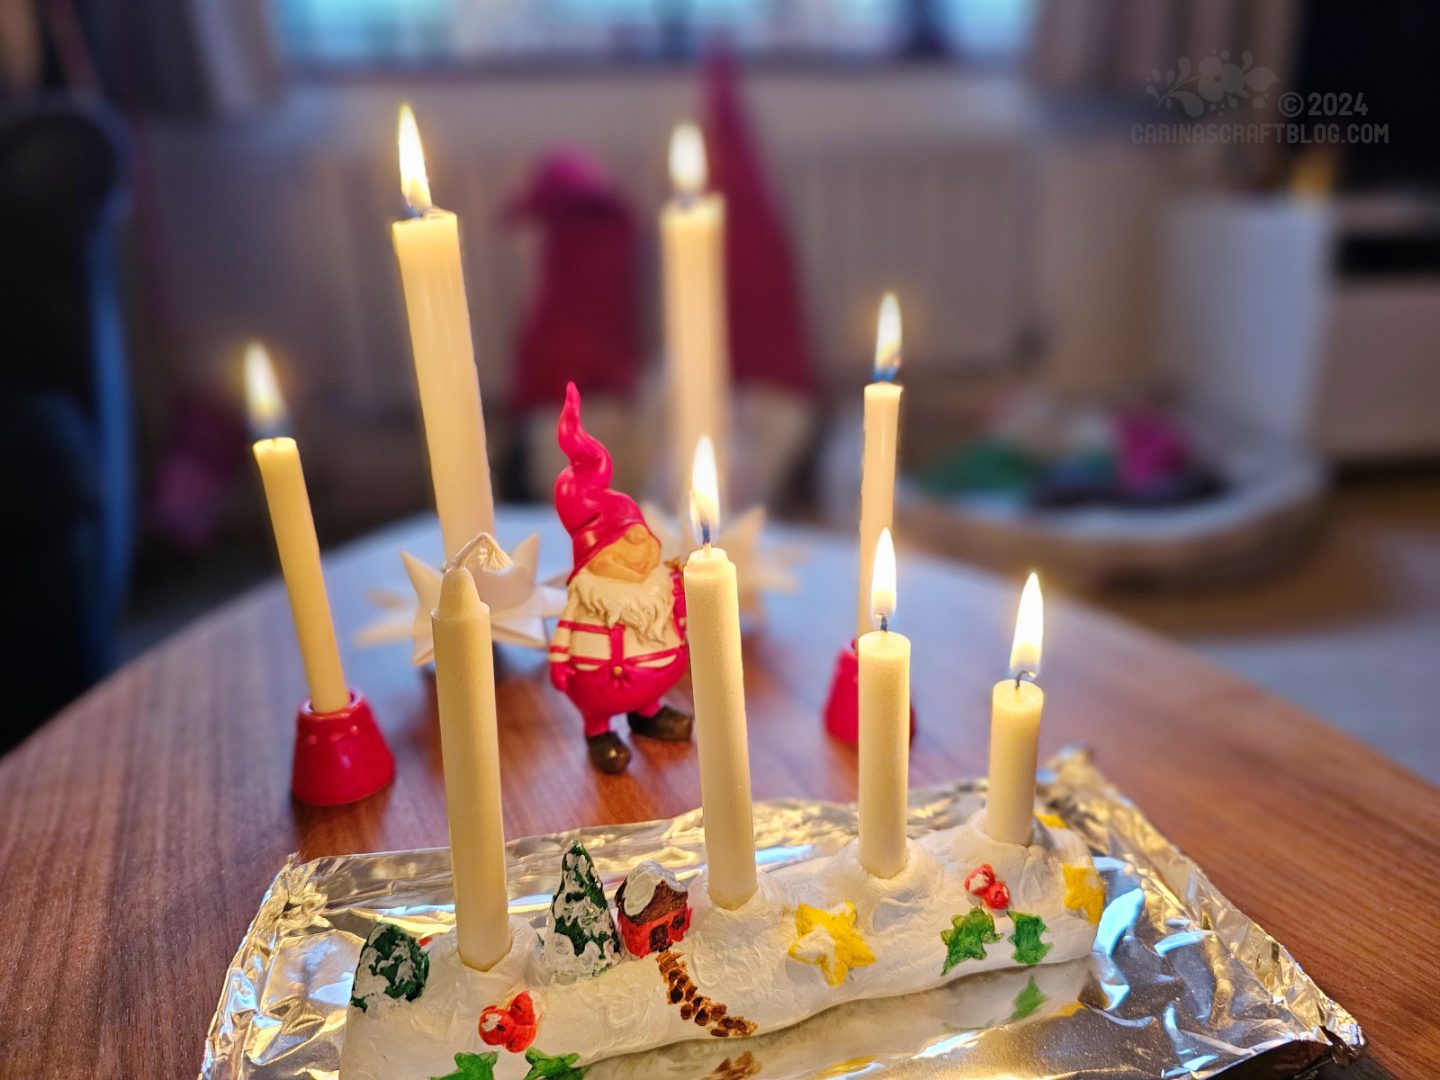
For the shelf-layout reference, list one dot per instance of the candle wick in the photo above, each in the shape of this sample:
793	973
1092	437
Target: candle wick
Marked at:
884	623
1022	674
887	372
705	534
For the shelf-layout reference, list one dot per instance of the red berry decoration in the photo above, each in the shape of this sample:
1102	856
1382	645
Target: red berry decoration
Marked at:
512	1027
997	897
980	879
986	887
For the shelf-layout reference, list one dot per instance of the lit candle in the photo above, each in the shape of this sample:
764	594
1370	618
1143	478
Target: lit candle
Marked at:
884	726
692	240
1015	707
712	605
465	697
294	528
877	475
428	248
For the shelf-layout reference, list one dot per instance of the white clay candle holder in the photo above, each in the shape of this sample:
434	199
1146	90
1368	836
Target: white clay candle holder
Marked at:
814	935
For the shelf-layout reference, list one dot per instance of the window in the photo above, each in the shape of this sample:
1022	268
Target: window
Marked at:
408	32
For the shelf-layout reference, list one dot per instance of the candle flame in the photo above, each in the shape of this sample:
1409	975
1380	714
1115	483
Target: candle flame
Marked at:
414	183
704	492
264	403
1029	630
687	159
882	581
887	338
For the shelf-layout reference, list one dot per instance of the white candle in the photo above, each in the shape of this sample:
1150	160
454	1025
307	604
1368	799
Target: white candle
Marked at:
465	695
692	241
428	248
284	480
294	528
712	604
877	475
1015	707
884	726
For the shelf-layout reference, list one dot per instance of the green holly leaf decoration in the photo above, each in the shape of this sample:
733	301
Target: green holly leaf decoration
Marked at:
545	1067
1029	949
472	1067
392	965
1027	1001
967	937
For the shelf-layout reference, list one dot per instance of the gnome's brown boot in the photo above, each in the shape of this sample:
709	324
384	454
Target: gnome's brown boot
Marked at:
607	752
666	723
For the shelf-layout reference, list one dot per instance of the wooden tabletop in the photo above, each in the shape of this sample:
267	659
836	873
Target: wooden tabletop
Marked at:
139	828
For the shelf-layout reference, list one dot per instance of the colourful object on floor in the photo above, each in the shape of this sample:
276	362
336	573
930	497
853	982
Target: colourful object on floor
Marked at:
985	466
340	757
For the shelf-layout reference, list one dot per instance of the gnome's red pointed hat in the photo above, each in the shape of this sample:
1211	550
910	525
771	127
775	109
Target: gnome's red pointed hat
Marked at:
593	514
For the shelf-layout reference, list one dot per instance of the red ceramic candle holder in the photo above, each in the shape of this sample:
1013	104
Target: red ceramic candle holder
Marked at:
842	707
340	757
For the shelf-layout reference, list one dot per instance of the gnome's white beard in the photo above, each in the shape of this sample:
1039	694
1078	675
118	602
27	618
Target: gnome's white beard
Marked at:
644	606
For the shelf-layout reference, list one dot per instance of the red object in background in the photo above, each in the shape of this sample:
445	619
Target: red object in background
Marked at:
512	1027
196	472
1154	451
582	322
842	706
765	315
340	757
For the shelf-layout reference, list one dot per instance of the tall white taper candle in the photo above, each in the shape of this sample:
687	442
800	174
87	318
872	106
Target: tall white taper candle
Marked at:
428	249
712	619
884	726
692	242
877	474
1015	708
465	695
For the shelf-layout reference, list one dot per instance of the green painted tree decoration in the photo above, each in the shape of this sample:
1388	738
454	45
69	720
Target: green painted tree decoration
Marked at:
472	1067
1029	949
392	967
560	1067
967	937
581	940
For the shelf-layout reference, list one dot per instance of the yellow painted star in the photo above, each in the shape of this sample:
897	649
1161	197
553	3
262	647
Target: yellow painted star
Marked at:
1053	821
1084	891
830	941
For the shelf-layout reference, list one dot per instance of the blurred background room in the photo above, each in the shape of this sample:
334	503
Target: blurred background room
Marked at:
1170	275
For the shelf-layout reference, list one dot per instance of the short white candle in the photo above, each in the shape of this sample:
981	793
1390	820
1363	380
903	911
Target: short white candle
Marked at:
295	540
877	474
1015	708
697	365
712	606
469	746
428	249
884	726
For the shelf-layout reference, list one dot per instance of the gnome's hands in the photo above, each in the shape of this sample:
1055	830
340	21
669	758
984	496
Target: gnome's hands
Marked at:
560	674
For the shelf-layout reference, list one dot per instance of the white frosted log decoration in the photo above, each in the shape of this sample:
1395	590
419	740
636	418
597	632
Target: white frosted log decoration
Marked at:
815	935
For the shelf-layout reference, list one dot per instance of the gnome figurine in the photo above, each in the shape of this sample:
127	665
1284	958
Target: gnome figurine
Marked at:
620	643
